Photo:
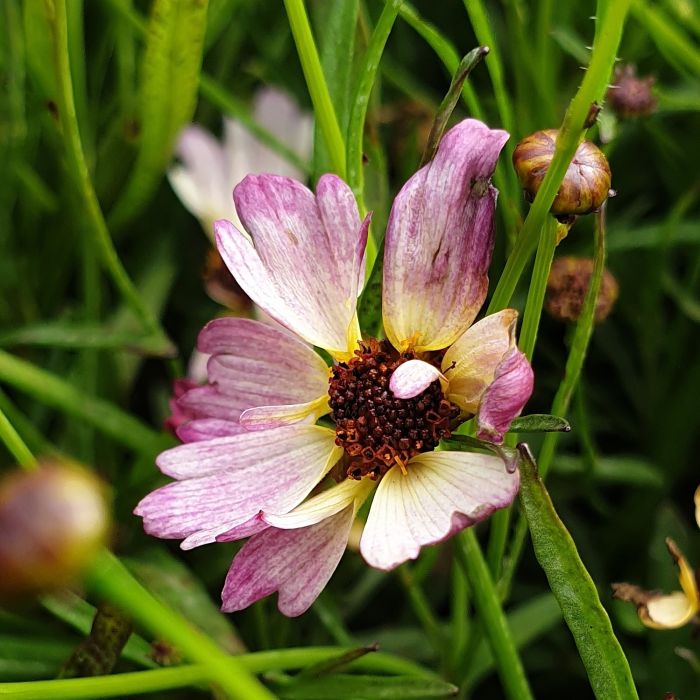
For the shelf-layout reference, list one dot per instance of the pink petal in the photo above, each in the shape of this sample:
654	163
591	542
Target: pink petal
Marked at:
201	180
256	365
505	398
229	480
208	402
304	264
442	492
208	429
295	563
413	377
471	362
247	529
439	241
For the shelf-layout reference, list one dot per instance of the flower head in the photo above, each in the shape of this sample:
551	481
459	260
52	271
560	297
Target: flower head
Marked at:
672	610
630	96
255	463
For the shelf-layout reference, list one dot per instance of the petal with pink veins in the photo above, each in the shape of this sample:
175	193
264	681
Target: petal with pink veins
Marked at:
296	563
207	429
439	241
254	365
413	377
470	363
305	260
442	492
266	417
505	397
227	481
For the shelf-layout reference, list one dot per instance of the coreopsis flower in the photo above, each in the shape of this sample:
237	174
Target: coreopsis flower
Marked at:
258	463
672	610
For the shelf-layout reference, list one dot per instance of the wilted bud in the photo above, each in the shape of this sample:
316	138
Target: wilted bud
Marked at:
586	184
630	96
568	284
52	522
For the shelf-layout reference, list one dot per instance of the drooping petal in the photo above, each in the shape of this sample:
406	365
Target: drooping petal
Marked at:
295	563
411	378
256	365
470	363
208	429
505	397
228	481
201	180
304	263
443	491
439	241
323	505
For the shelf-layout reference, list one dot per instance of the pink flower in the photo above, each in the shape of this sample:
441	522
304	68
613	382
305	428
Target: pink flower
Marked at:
255	463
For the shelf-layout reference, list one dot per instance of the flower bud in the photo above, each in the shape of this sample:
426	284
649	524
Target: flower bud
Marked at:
630	96
587	181
53	521
567	286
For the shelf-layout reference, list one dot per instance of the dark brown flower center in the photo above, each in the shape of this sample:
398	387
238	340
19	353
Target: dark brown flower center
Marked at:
377	430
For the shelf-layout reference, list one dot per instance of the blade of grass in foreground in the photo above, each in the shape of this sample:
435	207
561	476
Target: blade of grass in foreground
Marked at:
608	670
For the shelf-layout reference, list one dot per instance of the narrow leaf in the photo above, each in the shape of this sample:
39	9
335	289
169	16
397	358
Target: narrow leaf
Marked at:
539	423
343	686
601	653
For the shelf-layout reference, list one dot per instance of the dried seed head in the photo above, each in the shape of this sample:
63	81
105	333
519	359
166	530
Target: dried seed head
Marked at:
587	181
567	287
630	96
53	521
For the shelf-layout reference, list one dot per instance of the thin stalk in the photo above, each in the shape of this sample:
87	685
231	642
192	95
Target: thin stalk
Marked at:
136	683
15	444
562	399
316	83
79	172
592	88
110	579
422	609
493	619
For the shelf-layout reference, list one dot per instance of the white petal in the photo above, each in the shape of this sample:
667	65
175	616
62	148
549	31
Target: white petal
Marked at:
413	377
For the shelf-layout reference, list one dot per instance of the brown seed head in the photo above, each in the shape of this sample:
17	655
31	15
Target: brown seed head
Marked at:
630	96
567	286
53	521
587	181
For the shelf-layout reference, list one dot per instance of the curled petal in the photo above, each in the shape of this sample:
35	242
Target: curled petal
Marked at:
470	363
505	397
439	241
411	378
441	493
295	563
304	262
254	365
229	480
329	502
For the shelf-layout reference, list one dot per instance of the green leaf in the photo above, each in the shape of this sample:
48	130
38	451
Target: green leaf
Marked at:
601	653
169	83
342	686
539	423
620	470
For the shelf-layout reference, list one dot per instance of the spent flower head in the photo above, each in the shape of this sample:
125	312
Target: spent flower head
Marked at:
284	449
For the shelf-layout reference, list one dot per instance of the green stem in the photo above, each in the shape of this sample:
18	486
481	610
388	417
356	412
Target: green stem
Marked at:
123	684
422	609
562	399
111	580
15	444
592	88
102	415
78	170
316	83
510	668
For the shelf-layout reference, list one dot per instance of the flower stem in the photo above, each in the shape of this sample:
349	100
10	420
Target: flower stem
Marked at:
316	82
607	39
110	579
15	444
562	399
510	668
78	170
